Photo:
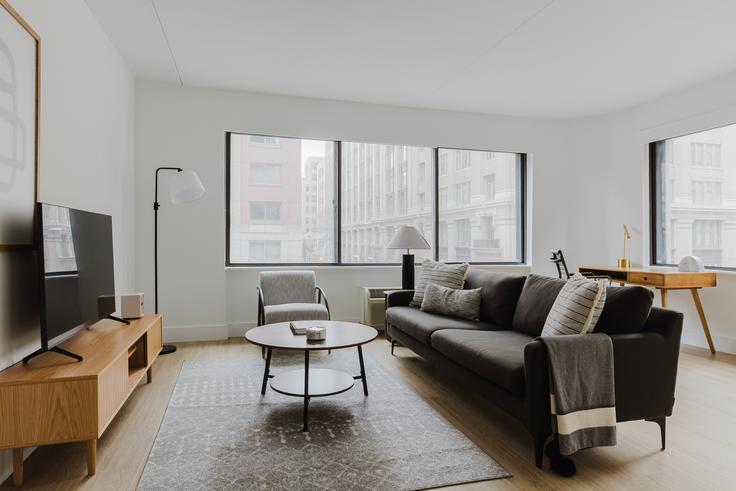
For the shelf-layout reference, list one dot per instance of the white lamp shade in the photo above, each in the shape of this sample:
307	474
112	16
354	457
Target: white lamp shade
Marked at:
185	187
408	237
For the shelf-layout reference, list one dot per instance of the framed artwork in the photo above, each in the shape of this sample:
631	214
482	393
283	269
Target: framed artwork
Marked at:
19	115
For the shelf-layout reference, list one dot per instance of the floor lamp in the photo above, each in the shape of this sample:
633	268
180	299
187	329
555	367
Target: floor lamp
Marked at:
184	187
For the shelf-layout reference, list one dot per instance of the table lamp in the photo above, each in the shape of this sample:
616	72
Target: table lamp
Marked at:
408	237
624	262
184	187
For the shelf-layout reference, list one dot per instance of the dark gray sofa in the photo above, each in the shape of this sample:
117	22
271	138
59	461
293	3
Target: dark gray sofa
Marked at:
500	357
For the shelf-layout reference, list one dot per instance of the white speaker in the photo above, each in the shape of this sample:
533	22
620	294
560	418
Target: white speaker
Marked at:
132	306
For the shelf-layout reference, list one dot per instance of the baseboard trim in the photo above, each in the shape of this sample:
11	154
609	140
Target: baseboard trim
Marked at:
218	332
723	343
176	334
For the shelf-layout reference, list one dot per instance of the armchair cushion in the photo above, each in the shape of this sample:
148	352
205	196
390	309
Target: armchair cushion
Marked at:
281	287
294	312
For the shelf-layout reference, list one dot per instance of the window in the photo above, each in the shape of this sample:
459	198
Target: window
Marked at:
462	159
706	193
283	206
264	140
706	154
462	193
487	216
396	164
489	183
693	198
265	211
264	251
294	223
265	173
443	164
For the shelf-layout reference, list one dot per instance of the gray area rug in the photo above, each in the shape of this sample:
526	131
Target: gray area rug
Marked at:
220	433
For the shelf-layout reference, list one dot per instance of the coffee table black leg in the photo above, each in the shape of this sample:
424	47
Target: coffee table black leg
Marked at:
306	391
362	370
266	372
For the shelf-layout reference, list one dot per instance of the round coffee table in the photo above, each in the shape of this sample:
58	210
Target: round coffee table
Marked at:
317	382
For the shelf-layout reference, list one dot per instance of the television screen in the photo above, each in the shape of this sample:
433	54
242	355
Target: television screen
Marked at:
77	272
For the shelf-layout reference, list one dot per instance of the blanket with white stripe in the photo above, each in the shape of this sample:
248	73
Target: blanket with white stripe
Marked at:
582	398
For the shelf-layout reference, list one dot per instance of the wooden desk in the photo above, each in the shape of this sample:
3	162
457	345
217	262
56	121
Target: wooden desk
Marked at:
664	281
54	399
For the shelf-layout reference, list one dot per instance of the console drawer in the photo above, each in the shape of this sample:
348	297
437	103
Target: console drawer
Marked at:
654	279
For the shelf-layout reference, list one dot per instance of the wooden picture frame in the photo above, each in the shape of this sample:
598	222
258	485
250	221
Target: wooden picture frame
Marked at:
20	63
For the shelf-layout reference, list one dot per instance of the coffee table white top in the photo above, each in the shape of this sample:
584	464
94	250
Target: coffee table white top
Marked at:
339	335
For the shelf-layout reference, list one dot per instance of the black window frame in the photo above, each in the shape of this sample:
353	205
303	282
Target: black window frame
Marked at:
337	197
655	190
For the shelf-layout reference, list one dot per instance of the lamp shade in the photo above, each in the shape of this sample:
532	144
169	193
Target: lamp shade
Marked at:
185	187
408	237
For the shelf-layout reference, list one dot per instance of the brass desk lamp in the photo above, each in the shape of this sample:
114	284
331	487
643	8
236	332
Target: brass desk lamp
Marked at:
625	263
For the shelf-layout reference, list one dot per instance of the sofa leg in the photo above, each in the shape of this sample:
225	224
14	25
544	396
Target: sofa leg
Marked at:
393	343
662	422
539	442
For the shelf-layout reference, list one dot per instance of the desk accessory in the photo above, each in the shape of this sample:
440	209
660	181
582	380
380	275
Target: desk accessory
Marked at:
625	262
316	333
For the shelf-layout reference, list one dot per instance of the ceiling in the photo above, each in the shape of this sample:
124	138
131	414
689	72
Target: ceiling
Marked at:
538	58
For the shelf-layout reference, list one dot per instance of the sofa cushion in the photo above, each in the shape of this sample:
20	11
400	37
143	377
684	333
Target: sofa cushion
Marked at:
447	275
536	300
626	310
577	308
499	295
455	302
497	356
420	325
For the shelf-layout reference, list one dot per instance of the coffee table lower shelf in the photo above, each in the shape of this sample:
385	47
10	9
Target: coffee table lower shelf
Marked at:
322	382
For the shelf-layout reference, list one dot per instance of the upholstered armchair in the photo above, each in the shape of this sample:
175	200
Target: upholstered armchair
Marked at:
285	296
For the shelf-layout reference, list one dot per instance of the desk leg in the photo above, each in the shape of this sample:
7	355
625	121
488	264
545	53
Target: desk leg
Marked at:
703	322
663	292
18	466
92	457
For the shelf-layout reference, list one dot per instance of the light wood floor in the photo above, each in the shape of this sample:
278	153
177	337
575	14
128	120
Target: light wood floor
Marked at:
701	440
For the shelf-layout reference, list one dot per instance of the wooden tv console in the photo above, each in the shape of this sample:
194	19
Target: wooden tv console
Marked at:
54	399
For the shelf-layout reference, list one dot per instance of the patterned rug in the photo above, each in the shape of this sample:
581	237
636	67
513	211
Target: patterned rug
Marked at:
220	433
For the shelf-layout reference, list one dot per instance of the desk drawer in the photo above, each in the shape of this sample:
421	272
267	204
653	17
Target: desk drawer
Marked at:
654	279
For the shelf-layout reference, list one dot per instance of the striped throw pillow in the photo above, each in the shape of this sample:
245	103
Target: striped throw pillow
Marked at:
447	275
577	307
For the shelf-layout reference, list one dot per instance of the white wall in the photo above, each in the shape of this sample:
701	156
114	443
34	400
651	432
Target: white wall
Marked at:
619	156
86	155
186	127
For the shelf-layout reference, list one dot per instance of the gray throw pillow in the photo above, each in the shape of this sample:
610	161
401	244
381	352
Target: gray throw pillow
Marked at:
453	302
448	275
577	308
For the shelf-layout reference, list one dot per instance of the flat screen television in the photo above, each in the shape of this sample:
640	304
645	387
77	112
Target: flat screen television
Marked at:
76	272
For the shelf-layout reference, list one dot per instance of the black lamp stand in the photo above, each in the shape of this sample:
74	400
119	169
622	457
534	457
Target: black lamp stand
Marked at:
407	271
167	348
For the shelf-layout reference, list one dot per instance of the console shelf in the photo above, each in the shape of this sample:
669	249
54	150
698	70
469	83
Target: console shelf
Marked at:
54	400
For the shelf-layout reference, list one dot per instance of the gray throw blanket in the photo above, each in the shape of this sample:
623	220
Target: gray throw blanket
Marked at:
582	398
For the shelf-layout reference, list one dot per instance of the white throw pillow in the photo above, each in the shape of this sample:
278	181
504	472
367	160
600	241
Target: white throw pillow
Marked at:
577	308
447	275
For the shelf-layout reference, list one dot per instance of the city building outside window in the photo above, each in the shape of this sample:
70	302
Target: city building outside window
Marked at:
694	198
264	251
482	220
292	223
265	173
265	211
396	167
283	207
